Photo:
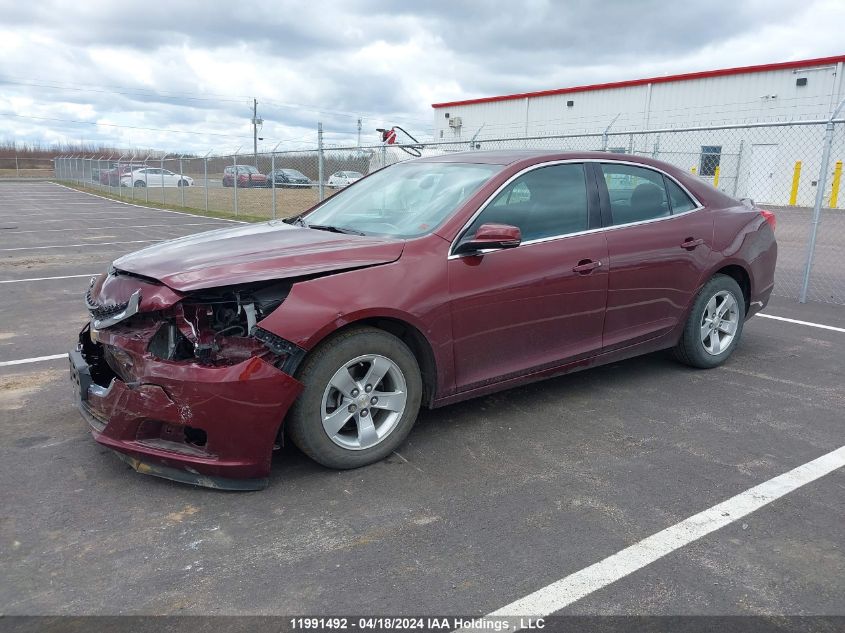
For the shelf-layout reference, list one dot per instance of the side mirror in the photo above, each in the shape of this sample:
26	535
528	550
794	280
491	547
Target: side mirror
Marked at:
491	236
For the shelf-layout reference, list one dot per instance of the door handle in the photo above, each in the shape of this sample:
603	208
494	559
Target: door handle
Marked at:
585	266
690	243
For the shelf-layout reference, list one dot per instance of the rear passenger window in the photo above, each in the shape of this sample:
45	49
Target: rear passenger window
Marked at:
636	193
680	201
545	202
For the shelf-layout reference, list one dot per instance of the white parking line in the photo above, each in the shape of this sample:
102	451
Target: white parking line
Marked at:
109	228
140	206
65	220
36	359
809	323
36	248
561	593
19	281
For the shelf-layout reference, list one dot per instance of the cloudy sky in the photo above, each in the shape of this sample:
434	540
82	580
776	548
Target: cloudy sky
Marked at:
181	75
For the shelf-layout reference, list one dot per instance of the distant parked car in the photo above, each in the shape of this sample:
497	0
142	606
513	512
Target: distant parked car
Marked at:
248	176
288	178
343	178
155	177
110	176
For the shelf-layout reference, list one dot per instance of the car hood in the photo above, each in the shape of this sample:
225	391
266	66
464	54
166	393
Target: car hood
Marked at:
255	252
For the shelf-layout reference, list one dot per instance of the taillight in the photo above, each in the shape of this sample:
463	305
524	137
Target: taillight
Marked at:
770	218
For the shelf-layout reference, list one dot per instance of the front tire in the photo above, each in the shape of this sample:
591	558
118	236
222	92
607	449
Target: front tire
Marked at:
714	325
140	183
362	394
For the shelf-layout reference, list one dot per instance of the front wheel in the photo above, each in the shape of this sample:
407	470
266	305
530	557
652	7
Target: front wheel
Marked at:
714	326
140	183
362	394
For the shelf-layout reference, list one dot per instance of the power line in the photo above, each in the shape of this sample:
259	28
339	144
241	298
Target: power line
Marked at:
136	127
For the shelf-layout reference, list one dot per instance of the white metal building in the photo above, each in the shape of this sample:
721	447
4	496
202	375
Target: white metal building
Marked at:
754	162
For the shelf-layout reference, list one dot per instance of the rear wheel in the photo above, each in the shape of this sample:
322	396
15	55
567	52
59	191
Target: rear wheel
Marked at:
182	183
714	326
361	397
140	183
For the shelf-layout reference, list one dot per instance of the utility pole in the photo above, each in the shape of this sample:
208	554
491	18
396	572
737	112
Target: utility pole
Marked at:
359	134
255	123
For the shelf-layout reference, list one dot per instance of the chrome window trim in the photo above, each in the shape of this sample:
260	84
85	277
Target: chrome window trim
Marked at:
657	169
550	238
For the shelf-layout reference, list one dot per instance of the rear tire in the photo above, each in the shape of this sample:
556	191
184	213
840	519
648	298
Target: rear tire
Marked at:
140	183
714	325
341	420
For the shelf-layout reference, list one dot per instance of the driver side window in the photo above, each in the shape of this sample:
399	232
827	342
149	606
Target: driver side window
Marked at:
545	202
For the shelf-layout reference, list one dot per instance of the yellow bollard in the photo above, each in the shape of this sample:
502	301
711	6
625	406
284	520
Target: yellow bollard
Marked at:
692	170
834	186
796	179
716	177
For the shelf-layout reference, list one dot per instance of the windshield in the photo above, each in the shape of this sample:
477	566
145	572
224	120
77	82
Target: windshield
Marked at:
404	200
293	172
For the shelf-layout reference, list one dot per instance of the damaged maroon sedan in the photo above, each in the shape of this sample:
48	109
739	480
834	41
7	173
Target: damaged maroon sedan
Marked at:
426	283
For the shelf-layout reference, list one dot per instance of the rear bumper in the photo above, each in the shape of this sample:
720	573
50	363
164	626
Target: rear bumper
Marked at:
203	425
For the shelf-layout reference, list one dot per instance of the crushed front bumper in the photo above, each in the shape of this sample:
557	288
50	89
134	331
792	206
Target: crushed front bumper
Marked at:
206	425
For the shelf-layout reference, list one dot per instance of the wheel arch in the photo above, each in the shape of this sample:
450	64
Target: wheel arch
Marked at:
740	275
406	332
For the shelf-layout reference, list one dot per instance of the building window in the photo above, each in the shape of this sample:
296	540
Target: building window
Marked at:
711	155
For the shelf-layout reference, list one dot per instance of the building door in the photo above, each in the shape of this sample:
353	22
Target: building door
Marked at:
761	173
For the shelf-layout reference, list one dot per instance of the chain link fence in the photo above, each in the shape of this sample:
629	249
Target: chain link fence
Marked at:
781	166
26	167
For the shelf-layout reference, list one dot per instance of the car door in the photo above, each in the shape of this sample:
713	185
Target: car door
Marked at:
168	178
659	240
542	303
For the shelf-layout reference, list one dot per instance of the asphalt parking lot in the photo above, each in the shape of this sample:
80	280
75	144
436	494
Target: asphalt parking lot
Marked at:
488	500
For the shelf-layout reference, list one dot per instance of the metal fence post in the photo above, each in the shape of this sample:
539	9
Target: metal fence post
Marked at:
738	166
181	180
117	175
273	176
235	180
273	180
817	207
17	168
163	191
131	177
321	188
146	181
205	178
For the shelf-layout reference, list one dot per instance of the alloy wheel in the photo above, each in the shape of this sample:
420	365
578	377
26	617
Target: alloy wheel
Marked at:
363	402
719	322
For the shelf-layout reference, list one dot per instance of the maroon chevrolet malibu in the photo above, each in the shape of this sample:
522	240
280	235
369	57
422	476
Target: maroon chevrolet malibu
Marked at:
428	282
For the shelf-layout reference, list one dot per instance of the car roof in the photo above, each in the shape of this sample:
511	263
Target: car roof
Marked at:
520	159
510	156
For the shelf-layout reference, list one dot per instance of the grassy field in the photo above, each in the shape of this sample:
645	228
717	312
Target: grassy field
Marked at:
26	173
253	204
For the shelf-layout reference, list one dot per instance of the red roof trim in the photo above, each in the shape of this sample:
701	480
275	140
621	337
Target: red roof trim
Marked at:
801	63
